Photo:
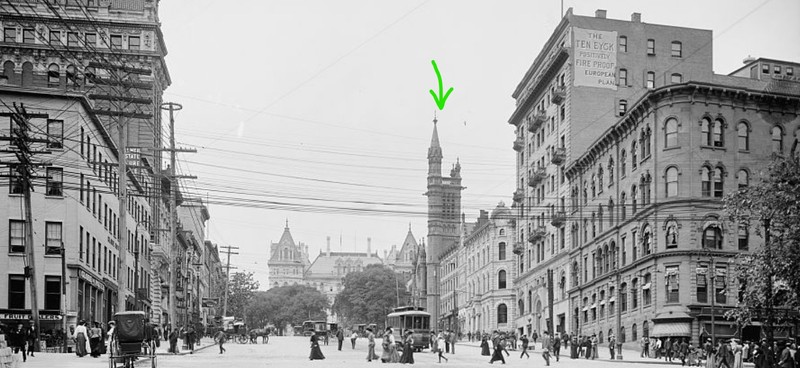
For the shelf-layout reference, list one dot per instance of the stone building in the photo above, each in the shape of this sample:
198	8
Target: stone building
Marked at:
287	260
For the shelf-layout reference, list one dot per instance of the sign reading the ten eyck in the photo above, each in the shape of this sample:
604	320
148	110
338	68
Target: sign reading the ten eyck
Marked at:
595	58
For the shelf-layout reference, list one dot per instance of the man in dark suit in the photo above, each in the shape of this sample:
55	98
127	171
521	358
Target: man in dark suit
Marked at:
17	339
340	337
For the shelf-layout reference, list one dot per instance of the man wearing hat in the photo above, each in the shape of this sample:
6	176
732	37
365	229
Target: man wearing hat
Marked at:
371	345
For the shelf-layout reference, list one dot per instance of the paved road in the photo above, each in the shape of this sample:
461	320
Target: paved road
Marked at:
291	351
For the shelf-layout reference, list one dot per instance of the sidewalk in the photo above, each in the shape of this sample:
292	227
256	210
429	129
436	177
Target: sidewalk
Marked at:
205	343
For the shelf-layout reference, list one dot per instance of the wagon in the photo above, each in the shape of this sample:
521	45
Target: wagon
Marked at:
131	340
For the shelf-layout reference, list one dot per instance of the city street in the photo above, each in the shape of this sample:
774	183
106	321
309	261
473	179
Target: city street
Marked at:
289	351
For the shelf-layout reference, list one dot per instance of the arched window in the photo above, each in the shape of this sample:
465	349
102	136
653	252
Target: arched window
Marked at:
622	335
600	178
645	329
777	139
623	294
622	214
53	75
743	132
27	74
645	142
89	75
501	279
633	155
8	72
647	241
502	232
501	251
611	212
594	225
717	135
671	133
644	183
634	336
712	237
71	76
521	306
705	180
671	179
633	199
672	234
600	216
610	171
530	300
575	273
502	313
613	257
622	159
743	177
718	182
634	293
606	257
705	131
594	185
585	194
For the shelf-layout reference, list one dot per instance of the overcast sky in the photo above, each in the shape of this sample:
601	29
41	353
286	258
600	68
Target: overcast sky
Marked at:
318	111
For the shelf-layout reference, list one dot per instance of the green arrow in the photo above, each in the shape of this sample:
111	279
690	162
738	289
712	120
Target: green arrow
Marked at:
442	97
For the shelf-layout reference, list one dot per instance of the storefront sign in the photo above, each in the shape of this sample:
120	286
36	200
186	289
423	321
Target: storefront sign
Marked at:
595	58
27	316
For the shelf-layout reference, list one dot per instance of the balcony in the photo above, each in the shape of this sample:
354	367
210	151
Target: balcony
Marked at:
519	248
519	195
559	218
559	156
537	234
519	144
537	177
536	121
559	95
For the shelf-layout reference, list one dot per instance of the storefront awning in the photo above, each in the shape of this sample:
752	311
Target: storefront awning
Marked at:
671	329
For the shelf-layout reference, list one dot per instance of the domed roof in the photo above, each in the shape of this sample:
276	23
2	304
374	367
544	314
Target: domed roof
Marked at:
501	211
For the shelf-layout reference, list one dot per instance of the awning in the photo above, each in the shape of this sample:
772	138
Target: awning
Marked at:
646	286
671	329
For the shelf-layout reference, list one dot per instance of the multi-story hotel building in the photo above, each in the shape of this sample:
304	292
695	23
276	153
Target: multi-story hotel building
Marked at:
582	221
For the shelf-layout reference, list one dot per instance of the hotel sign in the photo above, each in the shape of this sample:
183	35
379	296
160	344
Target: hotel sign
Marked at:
595	58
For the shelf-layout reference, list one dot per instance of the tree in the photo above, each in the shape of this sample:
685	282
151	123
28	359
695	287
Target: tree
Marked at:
287	305
769	277
240	290
369	295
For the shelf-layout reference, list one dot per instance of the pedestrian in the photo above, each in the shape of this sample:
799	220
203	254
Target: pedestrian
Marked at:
353	338
546	341
668	350
658	348
498	349
394	356
758	356
446	336
453	338
469	336
220	337
109	335
738	362
371	345
574	349
17	339
408	348
588	347
683	351
95	337
340	337
594	343
612	341
786	360
440	339
31	337
524	340
711	353
81	336
316	352
173	342
514	340
722	354
556	347
535	337
434	342
385	355
485	345
644	344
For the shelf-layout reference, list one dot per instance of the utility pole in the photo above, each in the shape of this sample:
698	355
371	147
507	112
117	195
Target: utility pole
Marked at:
23	175
227	277
64	296
551	323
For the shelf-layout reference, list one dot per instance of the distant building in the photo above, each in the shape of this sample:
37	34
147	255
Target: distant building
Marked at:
287	260
402	260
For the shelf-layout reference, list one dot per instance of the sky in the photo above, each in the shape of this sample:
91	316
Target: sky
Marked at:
318	112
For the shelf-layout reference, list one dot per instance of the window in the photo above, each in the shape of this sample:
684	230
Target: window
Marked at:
634	159
646	296
634	331
789	70
777	69
712	237
672	285
720	284
53	75
52	238
116	41
14	182
743	131
134	43
650	80
10	34
16	292
702	283
677	49
705	182
610	171
73	39
623	107
671	133
600	178
621	335
55	38
651	47
52	292
676	78
622	204
718	183
744	237
501	250
91	40
777	139
647	242
634	293
743	178
501	279
89	75
717	133
622	159
672	235
623	44
705	131
502	313
623	77
71	76
16	236
28	36
633	199
623	295
55	133
765	68
55	184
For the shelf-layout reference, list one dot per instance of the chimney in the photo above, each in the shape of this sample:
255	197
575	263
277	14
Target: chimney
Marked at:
328	250
600	13
369	245
636	17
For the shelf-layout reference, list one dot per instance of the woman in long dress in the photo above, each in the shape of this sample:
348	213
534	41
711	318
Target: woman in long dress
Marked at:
485	345
408	348
386	354
81	336
394	356
498	343
96	339
316	352
737	354
710	355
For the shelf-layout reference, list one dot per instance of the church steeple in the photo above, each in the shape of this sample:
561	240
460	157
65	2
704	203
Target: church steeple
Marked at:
435	150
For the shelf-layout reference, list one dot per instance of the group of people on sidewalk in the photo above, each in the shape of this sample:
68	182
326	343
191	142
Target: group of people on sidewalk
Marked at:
21	337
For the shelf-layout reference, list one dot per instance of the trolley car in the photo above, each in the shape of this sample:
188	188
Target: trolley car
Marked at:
411	318
132	339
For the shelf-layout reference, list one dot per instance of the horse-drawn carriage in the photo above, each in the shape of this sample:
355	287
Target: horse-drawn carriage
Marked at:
238	332
132	339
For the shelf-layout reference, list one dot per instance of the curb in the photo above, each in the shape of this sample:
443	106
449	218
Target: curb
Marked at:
188	352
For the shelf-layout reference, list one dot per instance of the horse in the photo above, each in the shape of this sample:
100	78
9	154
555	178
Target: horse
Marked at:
255	333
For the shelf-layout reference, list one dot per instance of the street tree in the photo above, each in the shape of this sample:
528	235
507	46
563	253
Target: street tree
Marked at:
369	295
287	305
769	277
241	287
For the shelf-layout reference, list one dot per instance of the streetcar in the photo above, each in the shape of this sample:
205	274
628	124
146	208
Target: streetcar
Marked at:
411	318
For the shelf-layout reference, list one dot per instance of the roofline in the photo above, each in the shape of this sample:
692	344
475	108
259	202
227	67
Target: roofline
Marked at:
756	61
541	57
